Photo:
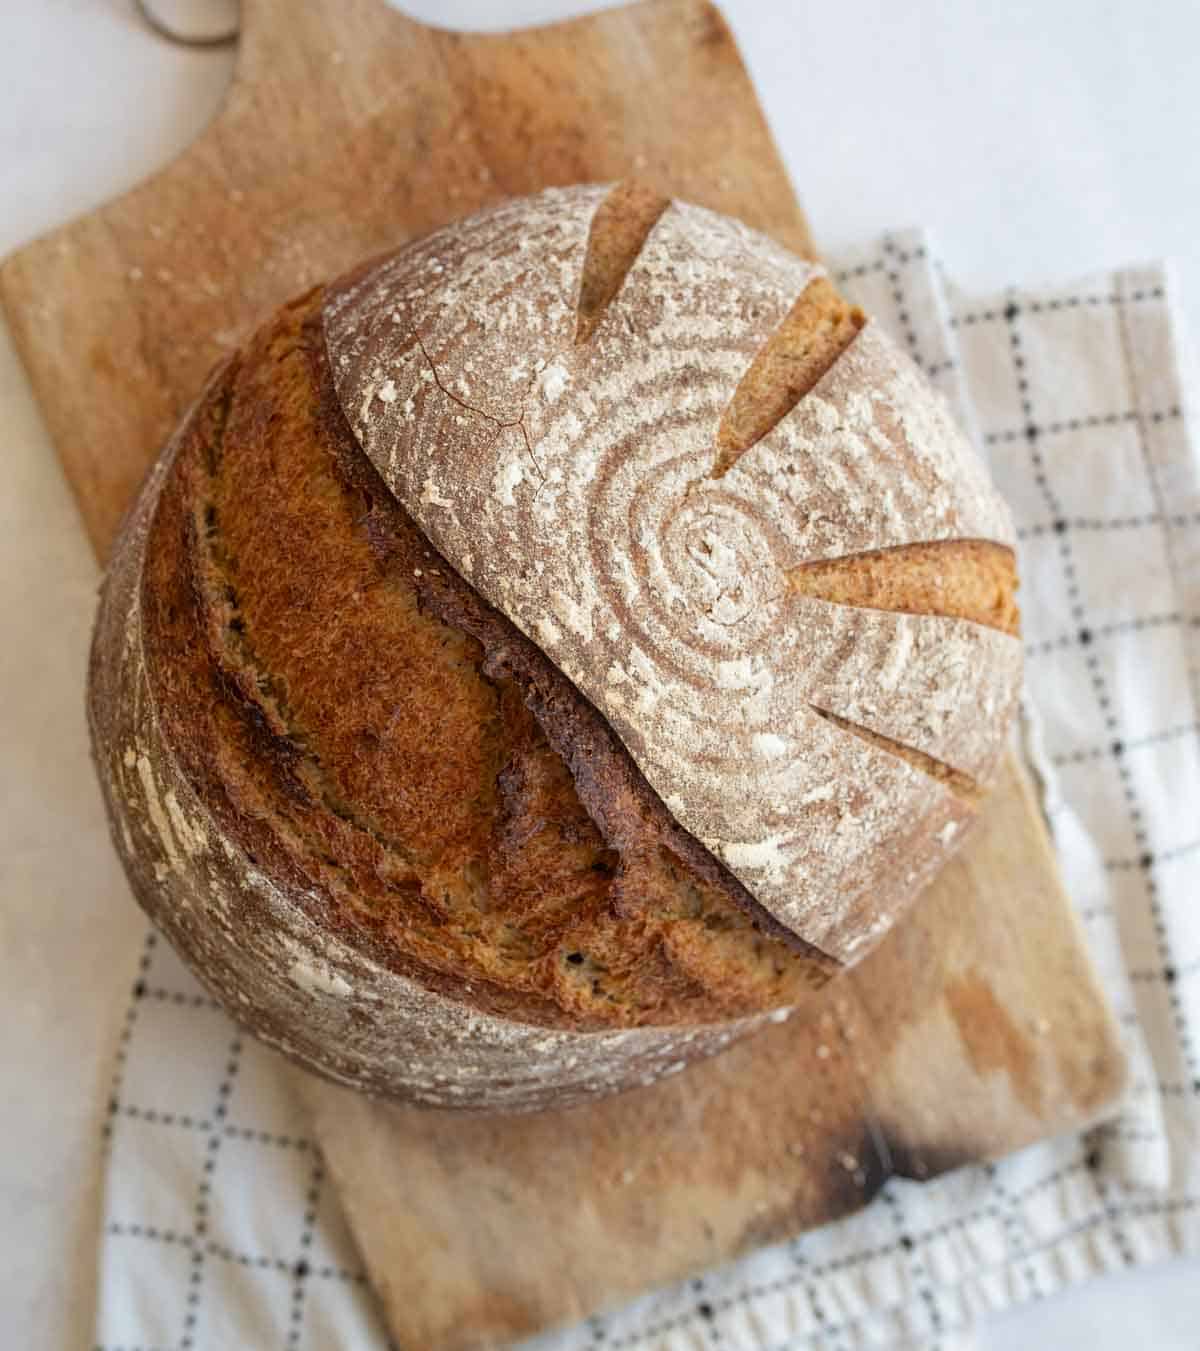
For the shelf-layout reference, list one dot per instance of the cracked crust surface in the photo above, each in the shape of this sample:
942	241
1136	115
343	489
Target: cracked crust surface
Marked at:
435	816
595	714
649	506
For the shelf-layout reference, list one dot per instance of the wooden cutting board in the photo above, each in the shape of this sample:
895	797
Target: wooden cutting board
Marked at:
977	1027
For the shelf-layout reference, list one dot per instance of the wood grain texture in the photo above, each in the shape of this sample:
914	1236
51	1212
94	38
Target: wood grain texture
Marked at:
976	1028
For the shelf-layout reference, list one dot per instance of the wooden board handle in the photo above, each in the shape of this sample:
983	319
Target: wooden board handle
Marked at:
347	129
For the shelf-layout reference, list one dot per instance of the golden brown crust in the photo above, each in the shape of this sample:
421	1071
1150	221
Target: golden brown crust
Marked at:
814	333
974	579
381	731
383	824
616	236
264	941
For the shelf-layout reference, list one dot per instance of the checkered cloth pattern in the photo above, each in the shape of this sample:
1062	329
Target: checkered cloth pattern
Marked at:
220	1228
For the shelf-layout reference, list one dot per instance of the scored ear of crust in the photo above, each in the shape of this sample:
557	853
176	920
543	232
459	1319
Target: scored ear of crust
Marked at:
649	506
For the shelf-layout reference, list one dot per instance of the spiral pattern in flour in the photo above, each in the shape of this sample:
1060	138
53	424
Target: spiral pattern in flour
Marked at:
576	486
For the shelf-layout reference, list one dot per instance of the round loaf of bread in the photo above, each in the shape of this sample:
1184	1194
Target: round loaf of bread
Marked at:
550	652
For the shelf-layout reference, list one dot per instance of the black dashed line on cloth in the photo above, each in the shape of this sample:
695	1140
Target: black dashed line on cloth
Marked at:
302	1269
1072	302
201	1213
971	319
706	1313
1087	635
805	1277
815	1305
1081	524
948	1226
1167	1088
862	270
177	997
154	1117
1039	307
1146	861
903	257
1125	865
915	1261
903	316
1096	912
1114	1214
837	1264
1015	1238
126	1034
1168	1205
1059	303
1182	1088
1168	974
267	1138
1121	747
265	1262
935	368
150	1232
1079	424
258	1261
328	1273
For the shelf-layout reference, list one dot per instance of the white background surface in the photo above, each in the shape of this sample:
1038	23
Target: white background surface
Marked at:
1036	140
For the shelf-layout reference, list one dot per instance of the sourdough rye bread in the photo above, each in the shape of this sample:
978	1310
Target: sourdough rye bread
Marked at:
547	653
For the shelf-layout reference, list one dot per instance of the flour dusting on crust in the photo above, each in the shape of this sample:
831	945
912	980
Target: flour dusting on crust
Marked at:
573	484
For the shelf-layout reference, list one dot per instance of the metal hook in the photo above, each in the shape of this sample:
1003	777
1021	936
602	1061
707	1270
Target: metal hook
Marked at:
164	30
